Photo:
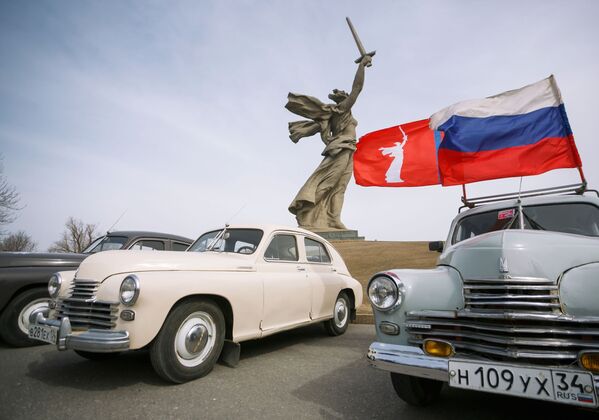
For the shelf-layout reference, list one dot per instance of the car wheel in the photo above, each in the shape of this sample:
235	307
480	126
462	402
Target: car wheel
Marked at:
338	324
190	341
14	321
416	391
96	356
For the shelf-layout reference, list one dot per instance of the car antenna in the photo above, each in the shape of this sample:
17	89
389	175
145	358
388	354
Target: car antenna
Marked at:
234	215
520	210
117	220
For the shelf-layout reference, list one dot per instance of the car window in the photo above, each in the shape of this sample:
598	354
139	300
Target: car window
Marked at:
178	246
148	245
106	243
282	248
242	241
316	251
578	218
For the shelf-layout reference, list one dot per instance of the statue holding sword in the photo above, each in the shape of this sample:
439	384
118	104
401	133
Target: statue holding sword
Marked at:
317	206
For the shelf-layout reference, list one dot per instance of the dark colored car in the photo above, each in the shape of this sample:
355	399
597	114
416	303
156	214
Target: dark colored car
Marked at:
24	276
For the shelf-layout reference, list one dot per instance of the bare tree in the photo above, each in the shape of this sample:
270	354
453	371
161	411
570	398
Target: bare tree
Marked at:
19	241
76	236
9	199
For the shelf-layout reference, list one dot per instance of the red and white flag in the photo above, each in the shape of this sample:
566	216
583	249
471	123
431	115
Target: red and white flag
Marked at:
401	156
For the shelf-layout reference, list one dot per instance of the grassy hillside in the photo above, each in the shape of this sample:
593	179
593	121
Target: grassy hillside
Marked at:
365	258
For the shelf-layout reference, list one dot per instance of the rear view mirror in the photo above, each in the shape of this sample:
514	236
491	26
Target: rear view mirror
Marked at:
436	246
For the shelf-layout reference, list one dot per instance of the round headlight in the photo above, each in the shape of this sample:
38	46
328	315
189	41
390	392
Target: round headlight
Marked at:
129	290
384	293
54	285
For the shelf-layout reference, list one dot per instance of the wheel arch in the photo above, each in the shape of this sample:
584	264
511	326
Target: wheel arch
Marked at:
222	302
352	302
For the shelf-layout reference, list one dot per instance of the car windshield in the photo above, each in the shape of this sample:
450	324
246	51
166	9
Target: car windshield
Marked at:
242	241
577	218
106	243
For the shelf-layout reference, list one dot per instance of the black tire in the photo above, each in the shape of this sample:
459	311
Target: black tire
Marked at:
338	324
14	321
200	327
420	392
96	356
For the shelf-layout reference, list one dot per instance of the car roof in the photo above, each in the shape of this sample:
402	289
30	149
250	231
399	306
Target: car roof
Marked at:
268	228
531	201
149	234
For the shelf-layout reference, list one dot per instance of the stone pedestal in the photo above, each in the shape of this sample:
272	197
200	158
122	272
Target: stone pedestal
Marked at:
340	235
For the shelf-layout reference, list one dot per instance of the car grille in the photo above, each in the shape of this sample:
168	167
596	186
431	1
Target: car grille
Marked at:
83	310
521	293
508	320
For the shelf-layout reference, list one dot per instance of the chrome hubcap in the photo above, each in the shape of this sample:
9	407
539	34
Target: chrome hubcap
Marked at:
195	339
340	313
30	311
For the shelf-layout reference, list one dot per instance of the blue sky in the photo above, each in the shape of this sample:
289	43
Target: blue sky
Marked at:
174	111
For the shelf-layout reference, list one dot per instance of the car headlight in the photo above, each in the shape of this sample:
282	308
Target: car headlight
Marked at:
129	290
385	293
54	285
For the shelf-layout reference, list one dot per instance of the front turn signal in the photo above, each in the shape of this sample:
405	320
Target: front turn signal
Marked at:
589	361
438	348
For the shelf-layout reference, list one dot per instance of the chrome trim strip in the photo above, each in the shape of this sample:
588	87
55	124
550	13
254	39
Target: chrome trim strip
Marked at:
517	341
509	287
516	304
484	296
465	313
508	280
514	354
427	323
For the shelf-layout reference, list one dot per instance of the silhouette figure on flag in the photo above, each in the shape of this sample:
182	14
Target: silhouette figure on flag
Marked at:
396	152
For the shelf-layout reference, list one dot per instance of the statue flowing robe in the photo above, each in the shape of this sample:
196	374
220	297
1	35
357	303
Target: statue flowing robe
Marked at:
318	203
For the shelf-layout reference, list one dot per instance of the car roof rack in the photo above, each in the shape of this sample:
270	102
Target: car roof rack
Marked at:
573	189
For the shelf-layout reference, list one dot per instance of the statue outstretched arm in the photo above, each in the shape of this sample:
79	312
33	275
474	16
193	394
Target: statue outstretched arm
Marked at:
357	86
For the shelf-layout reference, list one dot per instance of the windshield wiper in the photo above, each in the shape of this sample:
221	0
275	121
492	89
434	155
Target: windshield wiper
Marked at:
217	238
532	223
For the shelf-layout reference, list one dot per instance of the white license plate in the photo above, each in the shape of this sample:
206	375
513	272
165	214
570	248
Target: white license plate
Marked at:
44	333
565	386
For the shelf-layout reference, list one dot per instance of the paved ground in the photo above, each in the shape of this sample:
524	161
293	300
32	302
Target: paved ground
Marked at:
298	374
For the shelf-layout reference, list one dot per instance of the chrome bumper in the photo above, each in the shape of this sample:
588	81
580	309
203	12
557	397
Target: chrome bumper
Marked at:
412	361
97	341
408	360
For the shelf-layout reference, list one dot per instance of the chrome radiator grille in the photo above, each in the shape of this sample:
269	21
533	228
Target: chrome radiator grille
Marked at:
512	294
508	319
83	310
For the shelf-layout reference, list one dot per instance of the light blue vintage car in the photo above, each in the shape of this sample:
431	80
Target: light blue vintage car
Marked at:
512	306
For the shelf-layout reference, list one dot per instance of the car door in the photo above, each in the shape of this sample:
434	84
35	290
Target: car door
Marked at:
287	290
324	280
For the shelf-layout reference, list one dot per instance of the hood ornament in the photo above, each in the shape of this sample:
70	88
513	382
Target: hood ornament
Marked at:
503	268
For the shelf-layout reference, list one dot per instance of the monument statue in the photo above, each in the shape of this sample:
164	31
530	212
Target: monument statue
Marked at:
317	205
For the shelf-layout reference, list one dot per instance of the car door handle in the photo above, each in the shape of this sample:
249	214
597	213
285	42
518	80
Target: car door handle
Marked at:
300	268
333	269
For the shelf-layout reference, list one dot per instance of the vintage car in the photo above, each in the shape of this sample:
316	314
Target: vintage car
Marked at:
234	284
24	276
511	307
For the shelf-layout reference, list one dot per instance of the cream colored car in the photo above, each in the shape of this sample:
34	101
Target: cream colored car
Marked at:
190	308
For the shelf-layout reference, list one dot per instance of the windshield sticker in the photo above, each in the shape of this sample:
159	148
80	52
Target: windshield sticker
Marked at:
506	214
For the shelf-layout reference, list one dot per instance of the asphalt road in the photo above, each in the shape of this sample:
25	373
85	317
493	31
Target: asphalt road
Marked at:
301	374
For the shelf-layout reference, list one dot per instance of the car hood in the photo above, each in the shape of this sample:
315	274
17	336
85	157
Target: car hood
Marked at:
38	259
104	264
520	253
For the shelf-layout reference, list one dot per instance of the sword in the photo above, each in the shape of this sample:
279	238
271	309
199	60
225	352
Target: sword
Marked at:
361	48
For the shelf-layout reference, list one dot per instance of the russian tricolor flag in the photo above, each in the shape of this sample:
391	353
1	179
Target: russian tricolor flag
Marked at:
516	133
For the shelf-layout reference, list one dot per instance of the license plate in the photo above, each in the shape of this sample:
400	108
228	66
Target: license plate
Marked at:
44	333
565	386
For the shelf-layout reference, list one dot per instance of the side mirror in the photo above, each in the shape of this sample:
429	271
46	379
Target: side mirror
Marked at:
436	246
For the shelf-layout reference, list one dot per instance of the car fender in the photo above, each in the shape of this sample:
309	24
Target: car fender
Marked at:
160	291
439	288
